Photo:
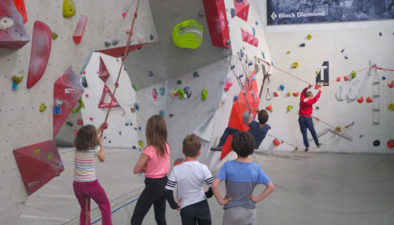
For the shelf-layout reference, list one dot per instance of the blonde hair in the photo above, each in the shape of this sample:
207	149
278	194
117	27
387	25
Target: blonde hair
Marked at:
156	133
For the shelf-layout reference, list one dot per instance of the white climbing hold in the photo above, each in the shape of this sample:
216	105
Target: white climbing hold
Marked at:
6	23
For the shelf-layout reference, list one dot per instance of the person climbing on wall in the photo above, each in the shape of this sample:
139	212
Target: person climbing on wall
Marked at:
155	163
241	177
258	130
88	147
305	115
190	176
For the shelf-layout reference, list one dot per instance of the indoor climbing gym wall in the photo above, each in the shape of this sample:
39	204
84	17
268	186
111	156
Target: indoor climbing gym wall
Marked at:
44	49
353	62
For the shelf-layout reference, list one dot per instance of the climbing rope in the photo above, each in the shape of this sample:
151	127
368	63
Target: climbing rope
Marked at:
122	64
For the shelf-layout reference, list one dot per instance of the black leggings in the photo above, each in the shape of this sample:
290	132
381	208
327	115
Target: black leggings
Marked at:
197	213
154	193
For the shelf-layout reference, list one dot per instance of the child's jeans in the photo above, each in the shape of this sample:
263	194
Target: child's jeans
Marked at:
92	190
306	122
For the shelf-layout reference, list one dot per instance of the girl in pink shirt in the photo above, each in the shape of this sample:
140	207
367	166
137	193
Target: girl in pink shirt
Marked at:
155	162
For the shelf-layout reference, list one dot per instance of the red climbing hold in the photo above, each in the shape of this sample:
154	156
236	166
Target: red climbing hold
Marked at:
276	94
40	52
80	29
390	144
338	79
12	30
118	52
391	85
249	38
276	142
296	94
103	72
345	78
38	164
369	99
80	122
269	108
242	9
360	100
67	89
215	12
20	6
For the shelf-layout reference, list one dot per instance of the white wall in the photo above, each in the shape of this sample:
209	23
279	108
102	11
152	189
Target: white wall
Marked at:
21	122
361	43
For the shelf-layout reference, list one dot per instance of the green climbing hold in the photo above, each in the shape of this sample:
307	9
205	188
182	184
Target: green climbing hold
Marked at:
68	8
134	87
49	155
42	107
187	34
195	74
181	93
178	82
204	94
391	106
36	151
79	106
354	74
228	42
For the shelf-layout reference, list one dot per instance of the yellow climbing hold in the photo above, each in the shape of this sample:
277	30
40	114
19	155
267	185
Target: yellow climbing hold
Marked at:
68	8
42	107
288	93
309	37
18	78
294	65
141	144
338	129
36	151
187	34
54	35
288	52
391	106
289	108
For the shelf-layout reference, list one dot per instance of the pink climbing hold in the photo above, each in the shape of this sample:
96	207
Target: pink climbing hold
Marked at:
80	29
154	94
124	15
12	31
228	84
360	100
91	118
87	95
68	90
40	52
80	122
369	100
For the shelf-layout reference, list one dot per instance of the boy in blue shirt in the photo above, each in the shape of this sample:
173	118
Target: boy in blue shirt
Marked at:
257	129
241	176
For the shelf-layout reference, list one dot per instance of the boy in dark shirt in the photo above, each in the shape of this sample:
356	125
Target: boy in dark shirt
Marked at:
257	129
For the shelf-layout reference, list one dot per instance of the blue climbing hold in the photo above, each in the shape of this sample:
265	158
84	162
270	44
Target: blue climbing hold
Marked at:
250	63
232	11
272	63
235	98
139	128
256	22
282	87
383	78
162	91
254	31
241	53
262	53
253	77
161	113
136	106
150	73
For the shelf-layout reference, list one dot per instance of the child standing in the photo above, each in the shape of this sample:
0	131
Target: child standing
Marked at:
258	130
155	162
241	176
88	147
305	115
190	177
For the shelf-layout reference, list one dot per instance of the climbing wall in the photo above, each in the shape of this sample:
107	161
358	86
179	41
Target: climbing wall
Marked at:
356	68
22	123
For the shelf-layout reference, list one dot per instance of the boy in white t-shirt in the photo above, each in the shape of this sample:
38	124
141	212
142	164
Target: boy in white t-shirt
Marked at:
190	177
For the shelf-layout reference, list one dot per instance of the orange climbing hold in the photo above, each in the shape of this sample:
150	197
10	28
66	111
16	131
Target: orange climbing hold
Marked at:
369	99
360	100
20	6
390	144
80	29
276	142
269	108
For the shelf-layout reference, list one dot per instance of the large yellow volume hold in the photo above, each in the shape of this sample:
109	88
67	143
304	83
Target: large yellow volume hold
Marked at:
68	8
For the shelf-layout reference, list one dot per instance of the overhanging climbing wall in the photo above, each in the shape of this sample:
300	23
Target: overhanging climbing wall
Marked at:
26	113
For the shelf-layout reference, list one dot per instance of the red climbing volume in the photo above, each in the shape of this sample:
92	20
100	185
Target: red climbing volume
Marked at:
80	29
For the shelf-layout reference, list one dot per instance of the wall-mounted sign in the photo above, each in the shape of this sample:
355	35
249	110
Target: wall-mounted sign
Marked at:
318	11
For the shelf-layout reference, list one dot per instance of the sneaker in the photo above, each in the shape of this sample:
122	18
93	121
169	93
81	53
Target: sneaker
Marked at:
318	145
306	149
216	149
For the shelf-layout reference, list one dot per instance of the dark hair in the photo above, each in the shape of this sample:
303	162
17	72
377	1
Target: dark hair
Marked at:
308	94
156	133
86	138
263	116
243	144
191	145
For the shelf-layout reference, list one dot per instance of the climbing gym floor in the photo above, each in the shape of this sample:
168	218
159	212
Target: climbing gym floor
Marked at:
311	189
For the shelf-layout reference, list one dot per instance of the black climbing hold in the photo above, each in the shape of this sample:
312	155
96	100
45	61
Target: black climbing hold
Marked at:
317	108
105	137
346	57
150	73
115	42
179	82
107	43
240	76
134	147
170	115
195	74
109	141
241	53
136	107
84	82
376	143
361	135
302	45
250	63
239	1
126	124
201	14
342	50
152	37
232	67
188	91
380	34
120	132
232	11
69	123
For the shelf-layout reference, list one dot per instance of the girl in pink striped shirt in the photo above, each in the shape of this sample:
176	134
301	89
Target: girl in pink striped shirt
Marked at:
88	147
